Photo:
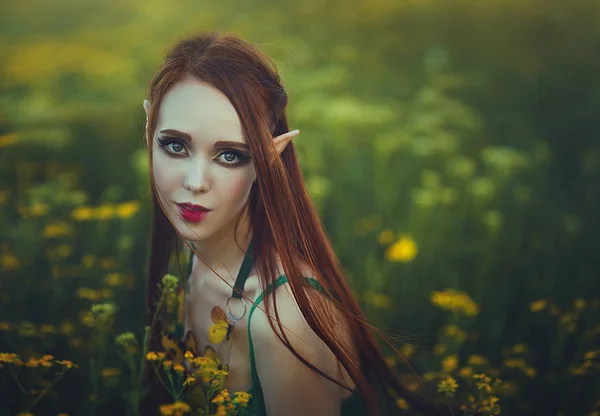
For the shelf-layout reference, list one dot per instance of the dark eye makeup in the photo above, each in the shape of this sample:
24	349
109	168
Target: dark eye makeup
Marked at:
228	157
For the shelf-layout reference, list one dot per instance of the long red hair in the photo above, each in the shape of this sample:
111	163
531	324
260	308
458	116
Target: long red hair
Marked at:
283	220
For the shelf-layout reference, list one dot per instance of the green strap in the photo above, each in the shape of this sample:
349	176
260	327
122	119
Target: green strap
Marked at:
280	280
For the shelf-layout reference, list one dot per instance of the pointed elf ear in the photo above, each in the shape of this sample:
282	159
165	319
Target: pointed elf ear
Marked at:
283	140
146	105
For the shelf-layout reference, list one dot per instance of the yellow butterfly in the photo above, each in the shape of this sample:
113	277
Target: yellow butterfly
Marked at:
218	330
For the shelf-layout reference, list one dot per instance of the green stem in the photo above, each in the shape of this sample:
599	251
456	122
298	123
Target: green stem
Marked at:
47	389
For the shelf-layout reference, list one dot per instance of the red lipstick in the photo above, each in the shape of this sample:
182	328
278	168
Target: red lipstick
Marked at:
193	213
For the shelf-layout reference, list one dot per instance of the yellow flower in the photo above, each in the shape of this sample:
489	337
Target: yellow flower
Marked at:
490	406
113	279
151	356
57	229
455	332
7	139
66	363
87	260
537	305
483	382
179	368
579	304
111	372
127	209
439	349
408	350
3	196
105	211
241	398
84	213
456	301
189	380
465	372
167	364
386	237
188	355
450	363
181	406
402	404
32	362
9	262
403	250
448	386
476	359
8	357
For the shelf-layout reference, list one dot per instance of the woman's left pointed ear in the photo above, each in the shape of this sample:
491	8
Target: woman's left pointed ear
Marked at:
283	140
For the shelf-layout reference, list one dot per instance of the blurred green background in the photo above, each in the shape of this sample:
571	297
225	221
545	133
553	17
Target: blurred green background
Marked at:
451	147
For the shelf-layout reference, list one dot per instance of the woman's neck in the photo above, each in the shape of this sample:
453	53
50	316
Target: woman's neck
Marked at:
223	252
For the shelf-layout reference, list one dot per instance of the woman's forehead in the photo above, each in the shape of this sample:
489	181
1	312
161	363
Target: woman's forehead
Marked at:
199	109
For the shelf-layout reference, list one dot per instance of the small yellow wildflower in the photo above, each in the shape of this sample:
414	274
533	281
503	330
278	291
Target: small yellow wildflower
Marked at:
402	404
476	359
110	372
241	398
105	211
83	213
189	380
178	368
151	356
439	349
167	364
403	250
465	372
8	357
66	363
450	363
113	279
127	209
188	355
455	301
8	139
386	237
579	304
447	386
57	229
489	406
537	305
9	261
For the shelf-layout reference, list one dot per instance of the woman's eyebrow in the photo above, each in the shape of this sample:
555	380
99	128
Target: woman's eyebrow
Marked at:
237	145
178	134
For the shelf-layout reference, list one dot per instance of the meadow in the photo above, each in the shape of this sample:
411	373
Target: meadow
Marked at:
452	151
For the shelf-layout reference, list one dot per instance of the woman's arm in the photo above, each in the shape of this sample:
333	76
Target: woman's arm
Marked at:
290	387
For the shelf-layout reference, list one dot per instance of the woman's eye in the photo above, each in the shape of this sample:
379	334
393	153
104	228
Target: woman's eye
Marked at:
228	157
232	157
173	146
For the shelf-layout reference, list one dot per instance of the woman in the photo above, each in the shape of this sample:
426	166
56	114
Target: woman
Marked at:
226	182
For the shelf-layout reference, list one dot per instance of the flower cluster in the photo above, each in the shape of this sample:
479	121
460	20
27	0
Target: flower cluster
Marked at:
455	301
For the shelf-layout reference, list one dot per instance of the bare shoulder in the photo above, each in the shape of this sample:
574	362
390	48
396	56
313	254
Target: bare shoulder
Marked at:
271	353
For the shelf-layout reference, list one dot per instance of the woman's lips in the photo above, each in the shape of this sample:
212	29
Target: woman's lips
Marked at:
193	213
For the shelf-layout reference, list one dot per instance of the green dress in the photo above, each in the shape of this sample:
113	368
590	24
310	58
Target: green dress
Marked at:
352	406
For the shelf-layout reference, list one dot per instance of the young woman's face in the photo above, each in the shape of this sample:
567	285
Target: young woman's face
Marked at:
200	157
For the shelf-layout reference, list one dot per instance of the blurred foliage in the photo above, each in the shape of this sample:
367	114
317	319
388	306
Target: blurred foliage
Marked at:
450	147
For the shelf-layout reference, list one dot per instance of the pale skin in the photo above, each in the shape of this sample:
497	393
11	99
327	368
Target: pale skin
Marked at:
196	168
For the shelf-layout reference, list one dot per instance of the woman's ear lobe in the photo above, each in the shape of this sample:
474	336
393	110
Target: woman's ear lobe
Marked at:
283	140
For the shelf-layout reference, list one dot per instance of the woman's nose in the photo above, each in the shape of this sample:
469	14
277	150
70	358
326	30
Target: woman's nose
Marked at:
196	178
